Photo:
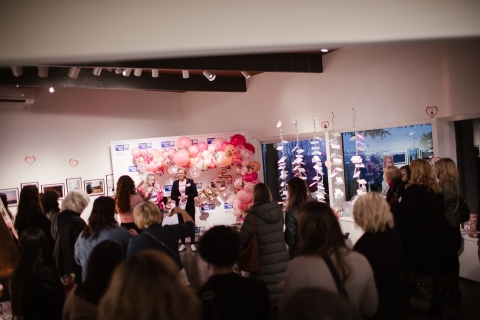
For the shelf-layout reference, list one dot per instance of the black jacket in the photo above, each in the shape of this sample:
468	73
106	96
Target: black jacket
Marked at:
190	192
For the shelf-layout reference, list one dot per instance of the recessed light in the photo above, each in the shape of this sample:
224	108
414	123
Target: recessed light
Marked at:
324	50
52	90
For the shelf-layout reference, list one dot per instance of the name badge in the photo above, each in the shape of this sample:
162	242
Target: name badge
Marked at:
188	184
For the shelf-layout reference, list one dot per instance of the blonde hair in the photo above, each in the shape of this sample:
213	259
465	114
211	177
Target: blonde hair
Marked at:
184	171
147	213
145	183
423	174
148	286
372	213
447	172
393	174
76	200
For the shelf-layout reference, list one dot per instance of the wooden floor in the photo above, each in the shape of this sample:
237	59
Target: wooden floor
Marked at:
198	273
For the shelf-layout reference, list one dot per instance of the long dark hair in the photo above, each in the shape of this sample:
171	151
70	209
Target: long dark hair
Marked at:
125	188
50	200
35	252
261	194
29	203
321	235
102	262
297	192
102	217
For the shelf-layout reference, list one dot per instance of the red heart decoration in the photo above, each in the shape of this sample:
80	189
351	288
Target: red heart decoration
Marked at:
30	159
73	163
431	111
328	164
325	125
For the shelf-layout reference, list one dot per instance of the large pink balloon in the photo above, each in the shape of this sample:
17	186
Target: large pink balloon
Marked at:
237	139
244	196
254	176
222	147
202	146
193	150
250	147
183	142
217	142
136	152
248	177
181	158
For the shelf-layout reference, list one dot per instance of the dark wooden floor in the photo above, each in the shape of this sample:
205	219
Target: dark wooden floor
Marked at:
198	273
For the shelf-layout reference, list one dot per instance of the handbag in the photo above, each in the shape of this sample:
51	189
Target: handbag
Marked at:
336	277
463	210
249	258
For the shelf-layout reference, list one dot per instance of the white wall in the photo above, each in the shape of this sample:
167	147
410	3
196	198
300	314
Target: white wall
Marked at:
78	124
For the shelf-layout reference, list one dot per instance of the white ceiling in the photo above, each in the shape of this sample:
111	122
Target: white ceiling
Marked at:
54	31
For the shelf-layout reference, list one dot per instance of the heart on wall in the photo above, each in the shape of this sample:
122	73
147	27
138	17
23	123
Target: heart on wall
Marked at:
325	125
30	159
431	111
73	162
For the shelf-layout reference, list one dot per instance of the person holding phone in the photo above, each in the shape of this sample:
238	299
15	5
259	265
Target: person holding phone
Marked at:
183	193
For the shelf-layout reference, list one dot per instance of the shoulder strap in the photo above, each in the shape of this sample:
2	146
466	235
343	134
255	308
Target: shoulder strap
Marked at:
336	277
163	244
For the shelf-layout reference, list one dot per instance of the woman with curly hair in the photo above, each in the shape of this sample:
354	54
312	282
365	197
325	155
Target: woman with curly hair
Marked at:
127	198
101	226
429	257
152	191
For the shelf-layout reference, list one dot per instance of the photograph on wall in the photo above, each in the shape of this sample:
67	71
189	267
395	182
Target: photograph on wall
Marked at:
59	187
74	184
413	154
12	196
110	185
28	184
95	187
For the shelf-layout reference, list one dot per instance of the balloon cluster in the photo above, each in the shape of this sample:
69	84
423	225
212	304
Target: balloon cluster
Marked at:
151	161
243	199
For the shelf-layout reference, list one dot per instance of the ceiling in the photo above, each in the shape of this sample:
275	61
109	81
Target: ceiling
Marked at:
227	71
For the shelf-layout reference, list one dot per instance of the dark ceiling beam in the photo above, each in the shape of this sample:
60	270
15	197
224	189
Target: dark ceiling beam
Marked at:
285	62
58	77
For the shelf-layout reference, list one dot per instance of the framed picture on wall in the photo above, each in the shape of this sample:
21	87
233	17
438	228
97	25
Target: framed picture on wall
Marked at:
413	154
110	185
74	184
12	196
426	154
95	187
399	157
59	187
29	184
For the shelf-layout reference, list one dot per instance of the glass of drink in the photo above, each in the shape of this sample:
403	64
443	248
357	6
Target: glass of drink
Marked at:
68	282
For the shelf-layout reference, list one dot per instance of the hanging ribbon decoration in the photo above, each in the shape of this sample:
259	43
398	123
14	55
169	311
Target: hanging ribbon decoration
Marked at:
320	194
281	163
298	170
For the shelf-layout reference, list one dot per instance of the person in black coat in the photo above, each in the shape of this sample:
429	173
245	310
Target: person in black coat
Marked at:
184	191
392	177
382	246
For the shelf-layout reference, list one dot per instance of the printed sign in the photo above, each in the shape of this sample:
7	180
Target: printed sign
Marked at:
194	141
208	206
122	147
145	145
209	140
167	189
167	144
132	169
227	205
221	183
199	186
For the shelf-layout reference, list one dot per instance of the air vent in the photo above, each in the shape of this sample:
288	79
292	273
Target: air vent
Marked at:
17	95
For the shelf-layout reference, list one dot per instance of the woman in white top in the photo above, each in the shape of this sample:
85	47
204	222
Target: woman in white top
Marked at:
322	240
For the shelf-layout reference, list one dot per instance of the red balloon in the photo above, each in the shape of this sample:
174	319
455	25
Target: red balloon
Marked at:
237	139
242	206
254	176
223	145
248	177
250	147
236	159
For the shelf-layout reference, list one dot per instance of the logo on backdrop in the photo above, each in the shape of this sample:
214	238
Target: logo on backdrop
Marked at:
145	145
199	186
168	144
122	147
194	141
227	205
132	169
208	206
209	140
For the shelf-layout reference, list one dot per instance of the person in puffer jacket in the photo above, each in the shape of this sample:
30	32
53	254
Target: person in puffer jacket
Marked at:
274	257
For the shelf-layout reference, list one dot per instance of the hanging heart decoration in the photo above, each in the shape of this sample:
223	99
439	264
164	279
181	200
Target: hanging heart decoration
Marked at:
325	125
73	162
30	159
328	164
431	111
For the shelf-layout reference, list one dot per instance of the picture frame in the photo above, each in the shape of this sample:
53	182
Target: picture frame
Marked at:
399	157
12	196
413	154
110	185
59	187
426	154
74	184
24	184
94	187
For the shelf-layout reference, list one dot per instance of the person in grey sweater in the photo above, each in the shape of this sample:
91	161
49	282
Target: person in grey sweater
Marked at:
269	227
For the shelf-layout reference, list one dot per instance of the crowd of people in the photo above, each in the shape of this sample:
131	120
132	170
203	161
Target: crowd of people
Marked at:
104	270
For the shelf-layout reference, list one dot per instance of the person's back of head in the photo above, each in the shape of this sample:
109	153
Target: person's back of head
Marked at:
148	286
372	213
423	174
29	203
317	304
447	172
125	188
261	194
297	192
102	217
76	201
103	260
50	200
393	175
220	247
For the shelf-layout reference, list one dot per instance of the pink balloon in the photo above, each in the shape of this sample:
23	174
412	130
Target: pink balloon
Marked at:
244	196
193	150
136	152
222	147
254	176
217	142
242	206
236	159
171	152
248	186
183	142
237	139
181	158
148	158
248	177
250	147
202	146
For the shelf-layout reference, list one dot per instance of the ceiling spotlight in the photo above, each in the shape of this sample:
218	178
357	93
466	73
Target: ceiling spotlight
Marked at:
52	90
186	74
118	71
43	72
127	72
17	71
246	74
324	50
97	71
155	73
137	72
73	72
209	75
